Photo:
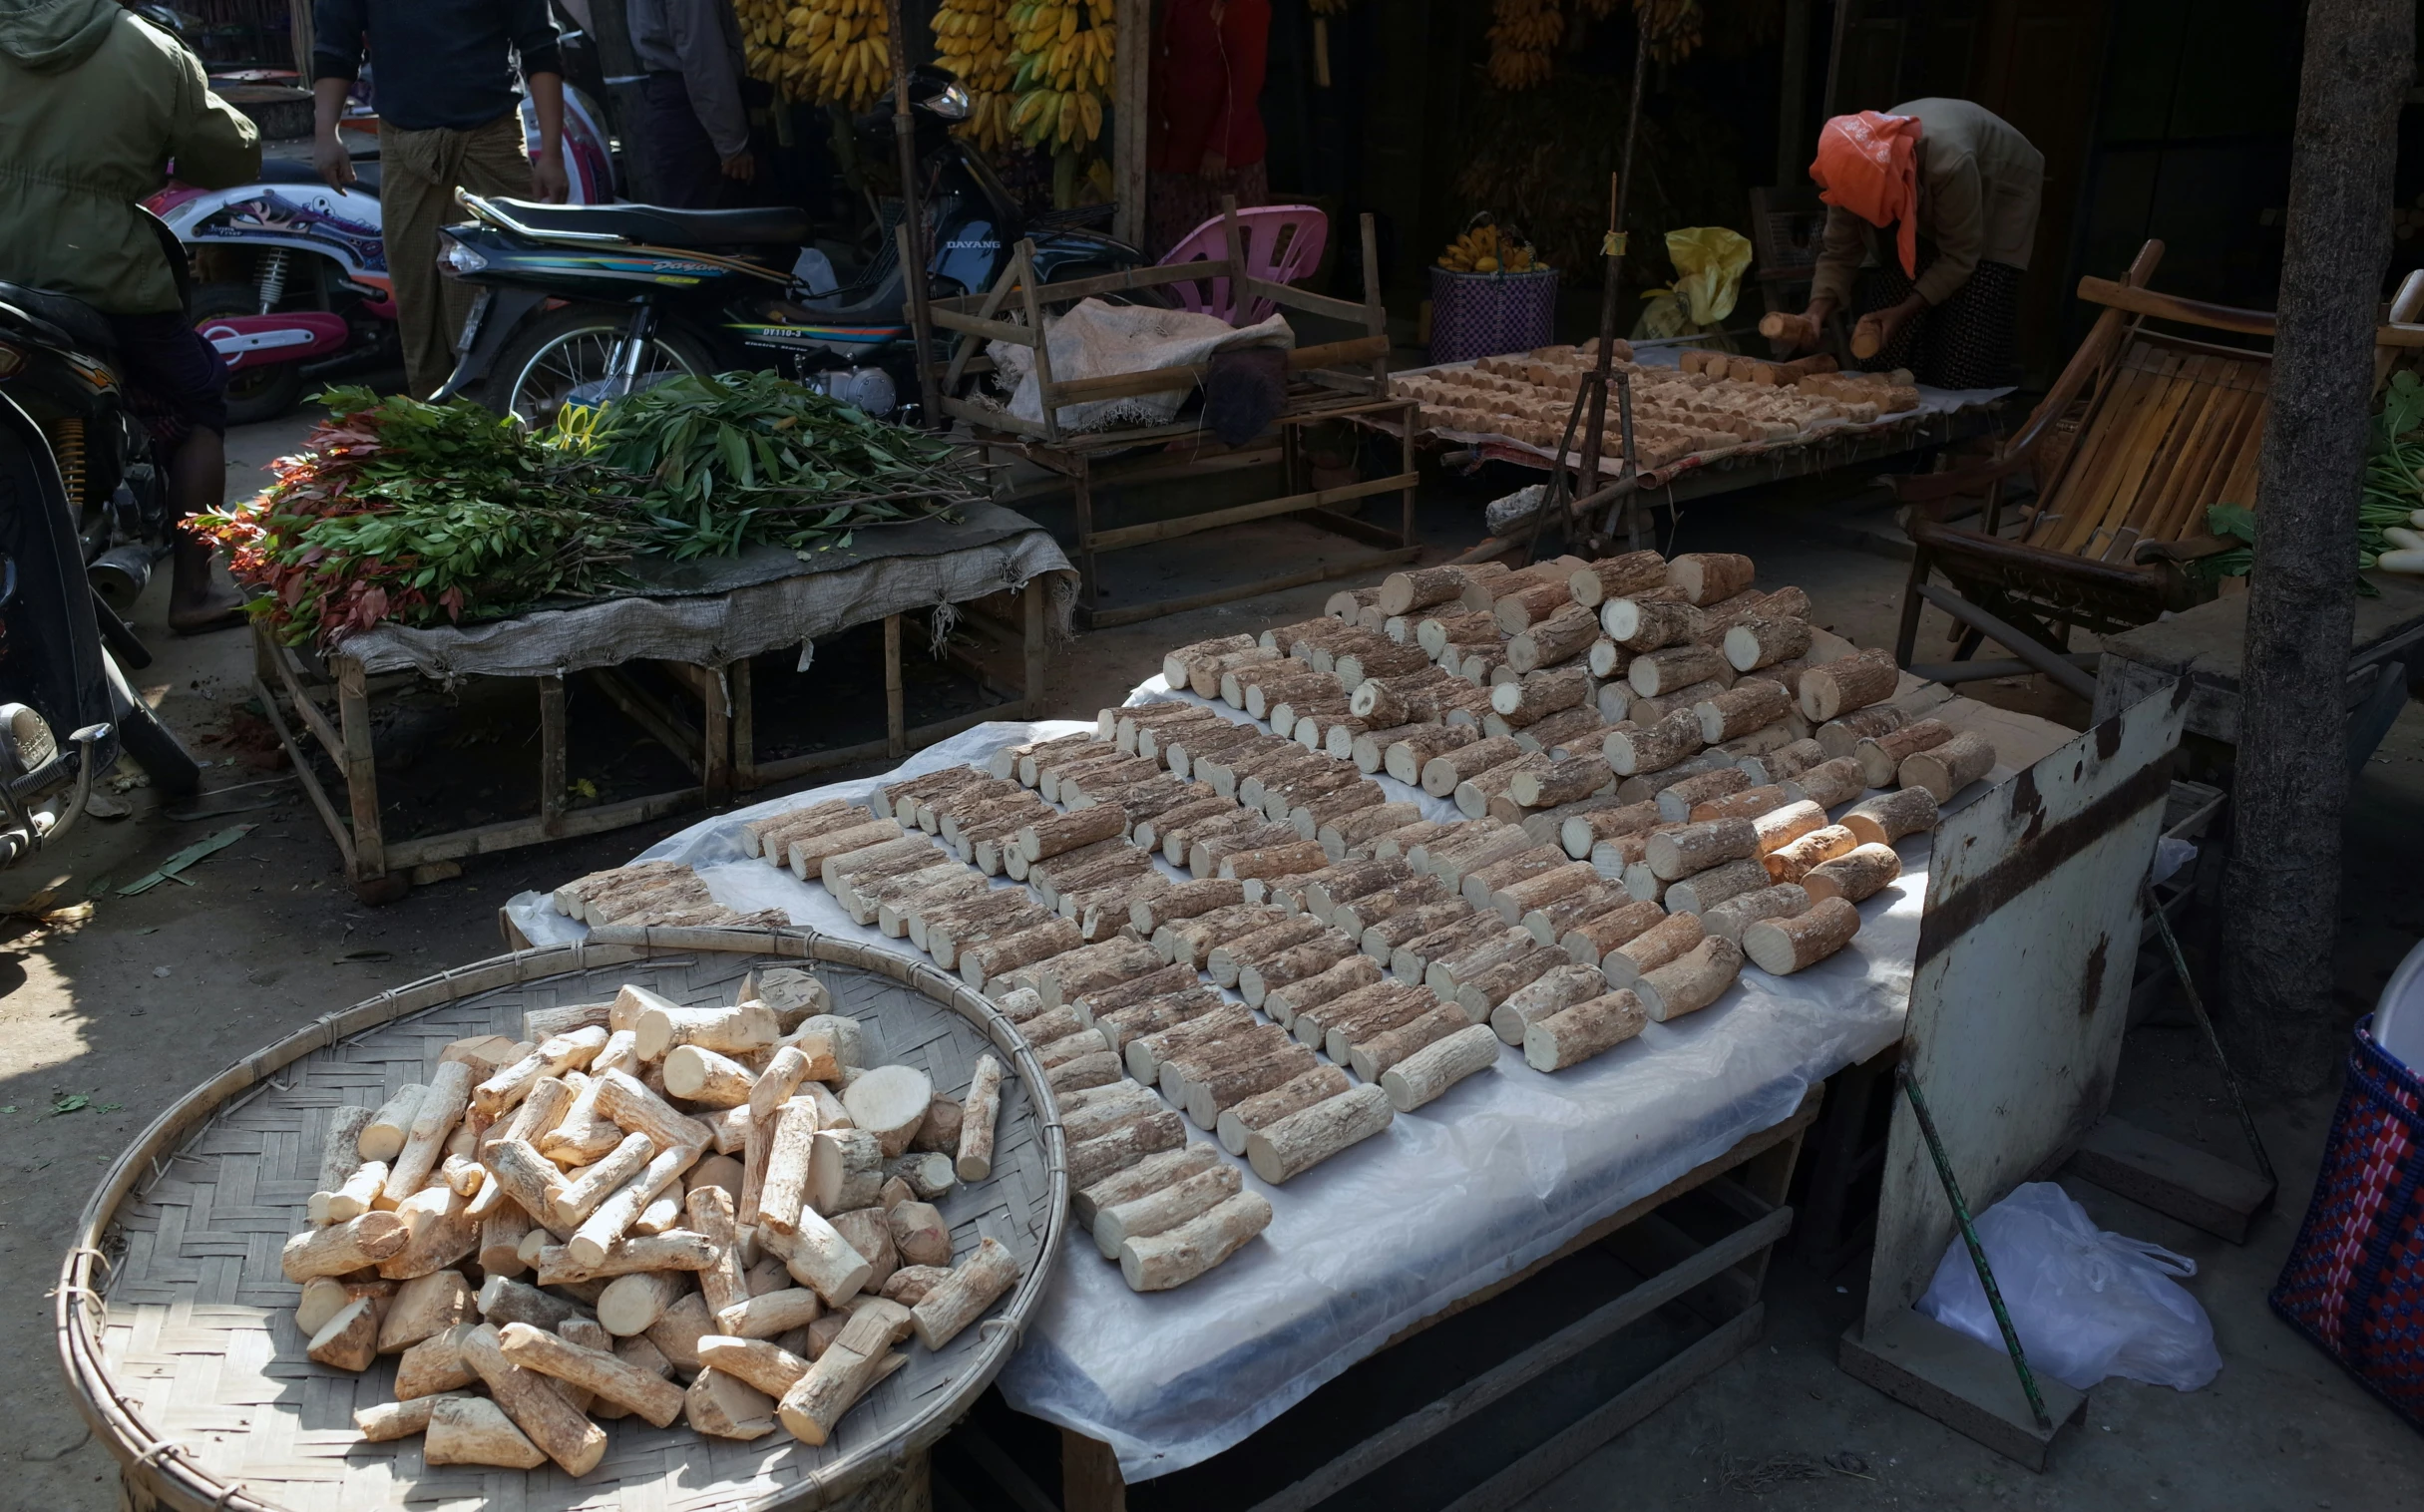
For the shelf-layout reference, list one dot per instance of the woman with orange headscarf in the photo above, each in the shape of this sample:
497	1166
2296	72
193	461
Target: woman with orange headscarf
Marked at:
1939	198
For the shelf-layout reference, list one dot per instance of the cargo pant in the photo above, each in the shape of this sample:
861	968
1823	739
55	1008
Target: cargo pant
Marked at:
418	175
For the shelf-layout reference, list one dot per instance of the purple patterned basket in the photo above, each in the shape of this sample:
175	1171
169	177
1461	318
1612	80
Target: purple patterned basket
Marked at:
2354	1281
1484	314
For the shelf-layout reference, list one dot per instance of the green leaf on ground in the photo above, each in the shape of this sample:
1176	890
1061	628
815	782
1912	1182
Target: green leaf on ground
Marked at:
186	857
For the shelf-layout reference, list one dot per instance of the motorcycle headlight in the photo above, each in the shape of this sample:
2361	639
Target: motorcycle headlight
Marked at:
457	259
26	741
950	105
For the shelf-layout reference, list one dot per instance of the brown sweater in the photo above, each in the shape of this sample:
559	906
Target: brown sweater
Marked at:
1980	183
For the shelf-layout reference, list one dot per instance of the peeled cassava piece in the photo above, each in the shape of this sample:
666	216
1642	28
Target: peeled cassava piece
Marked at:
1854	876
1705	577
1785	945
1838	687
1948	768
1884	818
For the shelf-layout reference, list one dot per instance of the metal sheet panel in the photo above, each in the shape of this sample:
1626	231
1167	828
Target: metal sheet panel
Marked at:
2023	978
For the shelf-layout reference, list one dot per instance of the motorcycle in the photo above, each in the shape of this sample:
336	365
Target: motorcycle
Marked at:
292	283
578	303
84	515
57	633
52	666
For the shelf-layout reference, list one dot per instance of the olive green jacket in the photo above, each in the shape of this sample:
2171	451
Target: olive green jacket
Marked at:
94	106
1980	185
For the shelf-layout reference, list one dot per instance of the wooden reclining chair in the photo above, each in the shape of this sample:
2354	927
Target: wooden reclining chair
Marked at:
2142	430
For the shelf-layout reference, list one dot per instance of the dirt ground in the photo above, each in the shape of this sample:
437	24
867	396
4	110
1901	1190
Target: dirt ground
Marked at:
111	1006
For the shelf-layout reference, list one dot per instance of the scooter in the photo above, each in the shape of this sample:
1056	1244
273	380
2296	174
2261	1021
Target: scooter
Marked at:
55	670
578	304
292	283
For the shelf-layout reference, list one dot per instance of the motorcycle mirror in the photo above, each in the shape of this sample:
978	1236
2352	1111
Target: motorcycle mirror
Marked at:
951	104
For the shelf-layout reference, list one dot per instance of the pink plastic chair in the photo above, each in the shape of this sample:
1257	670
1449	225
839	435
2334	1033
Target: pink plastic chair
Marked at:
1281	244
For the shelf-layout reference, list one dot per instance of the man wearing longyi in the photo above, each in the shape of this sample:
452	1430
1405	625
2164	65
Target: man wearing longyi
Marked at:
1933	208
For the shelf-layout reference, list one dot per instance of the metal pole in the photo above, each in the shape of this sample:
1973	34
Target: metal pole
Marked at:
915	255
2204	1022
1970	1236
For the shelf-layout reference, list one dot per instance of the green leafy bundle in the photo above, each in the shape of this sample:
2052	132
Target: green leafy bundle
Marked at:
2394	487
417	512
740	458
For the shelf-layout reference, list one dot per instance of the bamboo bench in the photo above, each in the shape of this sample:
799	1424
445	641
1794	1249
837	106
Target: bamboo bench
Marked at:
2142	430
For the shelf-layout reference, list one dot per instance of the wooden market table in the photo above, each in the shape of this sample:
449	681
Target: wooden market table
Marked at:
2207	645
1720	1280
1002	573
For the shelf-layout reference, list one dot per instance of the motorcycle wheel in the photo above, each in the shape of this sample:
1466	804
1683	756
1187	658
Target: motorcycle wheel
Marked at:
561	352
153	745
254	394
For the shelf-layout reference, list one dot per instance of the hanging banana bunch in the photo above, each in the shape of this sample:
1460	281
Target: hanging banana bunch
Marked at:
835	51
1670	29
973	38
1061	54
1522	35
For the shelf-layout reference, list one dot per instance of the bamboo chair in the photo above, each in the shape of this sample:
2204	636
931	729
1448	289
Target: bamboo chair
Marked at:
2142	430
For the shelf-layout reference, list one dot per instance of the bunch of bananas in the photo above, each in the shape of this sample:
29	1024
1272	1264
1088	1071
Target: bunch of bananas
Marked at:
1522	35
973	38
1061	59
830	51
1484	247
1668	28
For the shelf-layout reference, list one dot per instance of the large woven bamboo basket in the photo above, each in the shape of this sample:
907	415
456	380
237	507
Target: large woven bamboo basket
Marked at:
176	1326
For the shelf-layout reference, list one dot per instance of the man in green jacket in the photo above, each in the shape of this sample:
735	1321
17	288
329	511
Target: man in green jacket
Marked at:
94	104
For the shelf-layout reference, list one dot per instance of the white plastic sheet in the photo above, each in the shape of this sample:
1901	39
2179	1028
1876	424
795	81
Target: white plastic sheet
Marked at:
1503	1170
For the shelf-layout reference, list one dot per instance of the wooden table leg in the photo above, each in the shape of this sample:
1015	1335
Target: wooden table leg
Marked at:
744	725
1081	493
361	771
1034	644
1089	1475
552	775
1406	465
716	734
896	722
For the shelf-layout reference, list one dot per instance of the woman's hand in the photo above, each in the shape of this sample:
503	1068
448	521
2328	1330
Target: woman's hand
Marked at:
1877	329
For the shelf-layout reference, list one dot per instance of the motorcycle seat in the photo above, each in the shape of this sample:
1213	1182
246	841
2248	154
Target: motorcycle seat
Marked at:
79	321
297	171
662	227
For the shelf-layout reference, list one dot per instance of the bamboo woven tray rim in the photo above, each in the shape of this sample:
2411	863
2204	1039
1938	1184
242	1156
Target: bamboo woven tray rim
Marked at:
169	1470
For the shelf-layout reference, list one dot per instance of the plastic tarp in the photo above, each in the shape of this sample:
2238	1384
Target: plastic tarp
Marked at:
1503	1170
1095	339
711	611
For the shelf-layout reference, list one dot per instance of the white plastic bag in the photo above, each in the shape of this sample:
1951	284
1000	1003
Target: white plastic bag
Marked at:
2086	1302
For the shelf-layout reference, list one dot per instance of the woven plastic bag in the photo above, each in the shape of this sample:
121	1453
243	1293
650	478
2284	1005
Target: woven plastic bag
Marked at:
2086	1302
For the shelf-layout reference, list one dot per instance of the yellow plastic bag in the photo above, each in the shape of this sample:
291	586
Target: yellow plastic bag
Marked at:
1710	261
